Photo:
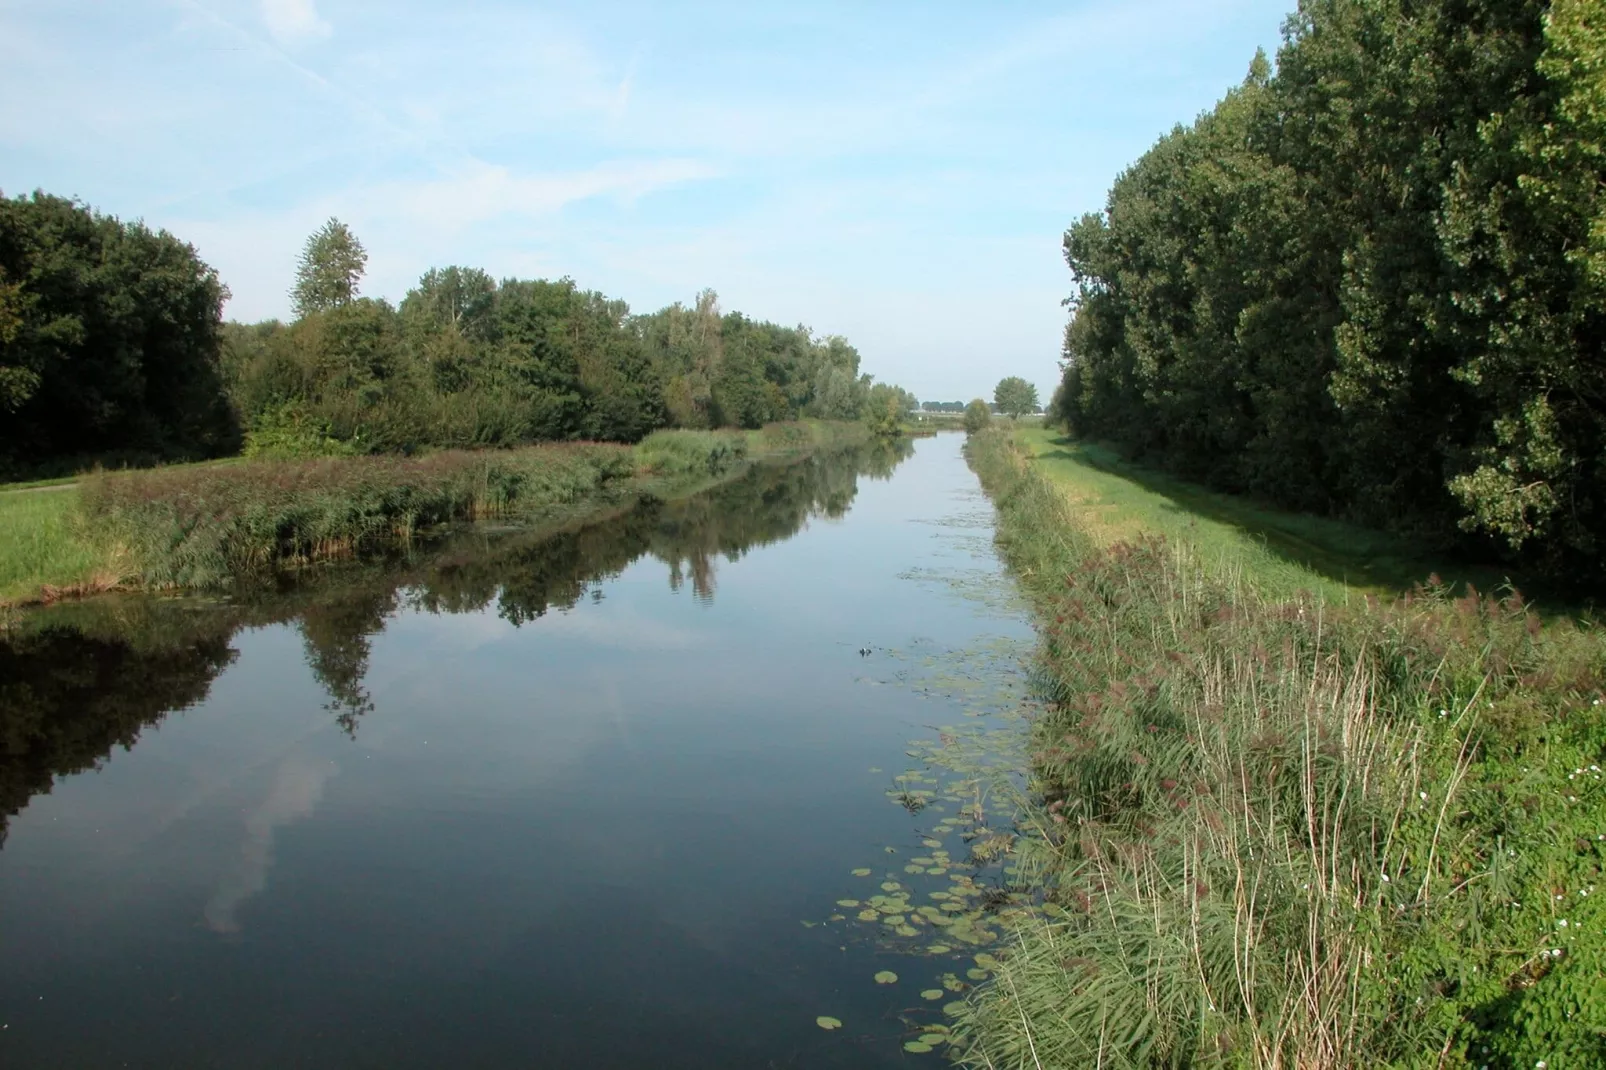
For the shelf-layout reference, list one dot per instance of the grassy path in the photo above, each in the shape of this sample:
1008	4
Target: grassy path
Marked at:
1280	552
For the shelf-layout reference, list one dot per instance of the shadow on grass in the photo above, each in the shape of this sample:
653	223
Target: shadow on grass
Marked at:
1346	554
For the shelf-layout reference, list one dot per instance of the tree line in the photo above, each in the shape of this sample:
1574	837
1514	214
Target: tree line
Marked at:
1372	283
113	348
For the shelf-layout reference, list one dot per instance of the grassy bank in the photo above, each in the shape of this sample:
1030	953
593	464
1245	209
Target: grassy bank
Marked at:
1281	552
1275	830
207	526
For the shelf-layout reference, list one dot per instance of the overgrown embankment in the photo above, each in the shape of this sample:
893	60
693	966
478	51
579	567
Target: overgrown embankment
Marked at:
208	526
1281	832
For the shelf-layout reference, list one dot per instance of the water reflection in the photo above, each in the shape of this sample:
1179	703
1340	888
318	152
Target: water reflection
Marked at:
78	680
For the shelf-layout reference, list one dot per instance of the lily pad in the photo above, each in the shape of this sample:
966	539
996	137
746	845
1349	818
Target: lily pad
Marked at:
976	975
861	873
932	843
890	886
939	949
953	1008
825	1021
932	1038
933	993
907	930
916	1046
886	977
847	902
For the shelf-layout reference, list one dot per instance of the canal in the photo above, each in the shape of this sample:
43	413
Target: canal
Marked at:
651	790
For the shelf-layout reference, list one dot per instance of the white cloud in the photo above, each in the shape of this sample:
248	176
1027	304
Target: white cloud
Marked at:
291	21
295	794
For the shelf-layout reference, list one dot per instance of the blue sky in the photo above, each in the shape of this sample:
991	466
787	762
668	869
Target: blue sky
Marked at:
900	173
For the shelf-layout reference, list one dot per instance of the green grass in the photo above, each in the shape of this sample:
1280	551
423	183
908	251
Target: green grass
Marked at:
210	524
1273	831
1281	552
43	545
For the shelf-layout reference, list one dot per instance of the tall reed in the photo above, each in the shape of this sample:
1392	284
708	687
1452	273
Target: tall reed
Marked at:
200	527
1292	834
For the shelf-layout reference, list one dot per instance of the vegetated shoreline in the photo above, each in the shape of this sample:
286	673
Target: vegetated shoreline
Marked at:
1272	830
211	526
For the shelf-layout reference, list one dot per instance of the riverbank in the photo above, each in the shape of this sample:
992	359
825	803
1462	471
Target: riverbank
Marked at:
1279	823
192	526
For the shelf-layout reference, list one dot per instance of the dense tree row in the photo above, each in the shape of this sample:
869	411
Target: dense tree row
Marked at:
113	348
469	361
1373	284
109	338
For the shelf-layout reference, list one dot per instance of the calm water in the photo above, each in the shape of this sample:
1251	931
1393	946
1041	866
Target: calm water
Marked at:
561	801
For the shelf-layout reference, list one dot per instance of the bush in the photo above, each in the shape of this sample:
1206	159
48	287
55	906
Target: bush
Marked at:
978	417
676	453
286	432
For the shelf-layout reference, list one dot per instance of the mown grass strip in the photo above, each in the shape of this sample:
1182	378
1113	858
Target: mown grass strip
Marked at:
1280	552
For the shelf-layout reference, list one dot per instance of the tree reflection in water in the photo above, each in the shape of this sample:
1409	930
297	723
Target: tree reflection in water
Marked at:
78	680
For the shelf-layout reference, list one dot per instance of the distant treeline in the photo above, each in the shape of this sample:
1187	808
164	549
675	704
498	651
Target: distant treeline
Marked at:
113	348
1374	283
953	406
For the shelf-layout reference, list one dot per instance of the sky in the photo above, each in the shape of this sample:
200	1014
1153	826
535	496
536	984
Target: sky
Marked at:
897	173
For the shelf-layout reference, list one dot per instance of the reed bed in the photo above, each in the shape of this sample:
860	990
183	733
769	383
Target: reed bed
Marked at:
206	527
1284	833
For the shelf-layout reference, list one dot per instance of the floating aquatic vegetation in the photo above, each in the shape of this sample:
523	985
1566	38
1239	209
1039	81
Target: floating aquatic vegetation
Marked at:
825	1021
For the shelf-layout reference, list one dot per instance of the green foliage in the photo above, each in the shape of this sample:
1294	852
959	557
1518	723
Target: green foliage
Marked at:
112	349
466	362
1273	831
330	269
1370	284
108	340
884	409
1015	397
691	452
210	526
285	432
978	417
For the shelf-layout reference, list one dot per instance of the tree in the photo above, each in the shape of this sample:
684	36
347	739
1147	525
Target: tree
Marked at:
977	416
109	340
1015	397
330	268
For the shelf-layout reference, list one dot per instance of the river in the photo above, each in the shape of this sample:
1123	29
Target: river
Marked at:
588	798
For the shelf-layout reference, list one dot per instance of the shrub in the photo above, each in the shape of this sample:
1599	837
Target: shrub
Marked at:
978	417
288	432
675	453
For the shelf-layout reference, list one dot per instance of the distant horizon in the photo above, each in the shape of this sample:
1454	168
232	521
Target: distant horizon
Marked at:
901	176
